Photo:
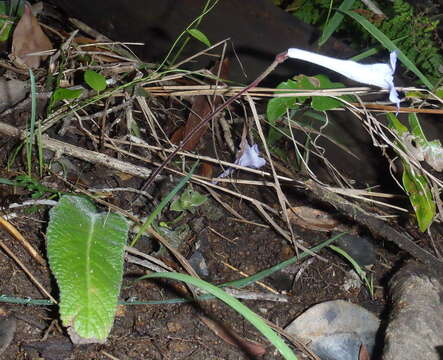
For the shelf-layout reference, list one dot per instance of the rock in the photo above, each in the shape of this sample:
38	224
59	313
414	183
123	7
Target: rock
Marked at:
336	329
415	330
360	248
198	263
257	28
11	92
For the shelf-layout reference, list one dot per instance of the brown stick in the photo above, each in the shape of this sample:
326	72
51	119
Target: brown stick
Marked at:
18	236
61	147
278	60
376	226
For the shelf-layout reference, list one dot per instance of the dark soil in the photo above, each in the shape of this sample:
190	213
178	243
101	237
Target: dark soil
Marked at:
176	331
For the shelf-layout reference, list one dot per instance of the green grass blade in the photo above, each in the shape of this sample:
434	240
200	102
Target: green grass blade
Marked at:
236	283
335	21
209	5
389	44
162	205
374	50
249	315
262	274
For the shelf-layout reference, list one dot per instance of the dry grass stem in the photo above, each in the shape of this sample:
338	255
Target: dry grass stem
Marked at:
27	272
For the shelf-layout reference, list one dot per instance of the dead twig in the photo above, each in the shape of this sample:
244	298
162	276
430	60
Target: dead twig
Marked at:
278	59
27	272
60	147
18	236
376	226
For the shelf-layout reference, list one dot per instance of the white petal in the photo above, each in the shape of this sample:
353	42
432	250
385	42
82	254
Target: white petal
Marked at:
378	74
393	59
250	158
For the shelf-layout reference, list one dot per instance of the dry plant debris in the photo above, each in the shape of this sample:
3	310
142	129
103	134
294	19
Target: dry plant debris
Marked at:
127	132
28	39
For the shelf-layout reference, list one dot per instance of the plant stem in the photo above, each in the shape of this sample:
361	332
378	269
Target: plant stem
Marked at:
278	60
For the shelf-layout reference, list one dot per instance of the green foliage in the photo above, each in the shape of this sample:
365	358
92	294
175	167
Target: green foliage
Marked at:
367	280
9	10
38	190
420	195
189	200
249	315
181	41
157	211
336	20
414	182
278	106
86	251
95	80
65	94
416	31
199	36
388	44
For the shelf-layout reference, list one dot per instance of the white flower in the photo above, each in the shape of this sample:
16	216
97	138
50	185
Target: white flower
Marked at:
249	158
379	74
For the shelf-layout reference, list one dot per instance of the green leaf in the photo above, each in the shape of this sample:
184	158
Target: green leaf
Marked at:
148	222
278	106
65	94
249	315
323	103
85	252
95	80
389	44
395	124
416	129
335	21
188	200
9	9
199	36
420	196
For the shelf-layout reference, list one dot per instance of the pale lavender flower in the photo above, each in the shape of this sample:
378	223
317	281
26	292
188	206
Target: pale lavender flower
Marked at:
379	74
249	158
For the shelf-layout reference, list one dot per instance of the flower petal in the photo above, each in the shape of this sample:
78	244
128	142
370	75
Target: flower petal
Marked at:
250	158
378	74
393	60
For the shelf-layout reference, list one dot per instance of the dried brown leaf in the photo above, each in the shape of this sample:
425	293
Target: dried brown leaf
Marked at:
200	109
311	219
206	170
28	38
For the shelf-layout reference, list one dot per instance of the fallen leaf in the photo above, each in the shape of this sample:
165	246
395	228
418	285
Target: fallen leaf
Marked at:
201	107
206	170
28	38
251	347
311	219
96	50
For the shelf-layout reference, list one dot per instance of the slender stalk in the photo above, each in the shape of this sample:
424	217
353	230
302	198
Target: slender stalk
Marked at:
278	60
